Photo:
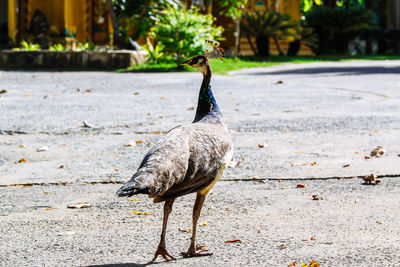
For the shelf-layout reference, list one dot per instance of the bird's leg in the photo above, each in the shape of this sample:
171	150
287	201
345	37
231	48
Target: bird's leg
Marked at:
196	214
161	250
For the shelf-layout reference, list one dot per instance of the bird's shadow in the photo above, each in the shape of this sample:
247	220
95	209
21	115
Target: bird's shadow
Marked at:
127	264
124	264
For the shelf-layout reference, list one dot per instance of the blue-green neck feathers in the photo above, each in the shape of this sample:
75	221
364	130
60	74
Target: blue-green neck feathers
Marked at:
207	105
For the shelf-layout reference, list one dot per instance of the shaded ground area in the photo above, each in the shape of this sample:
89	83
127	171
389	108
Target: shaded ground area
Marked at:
292	123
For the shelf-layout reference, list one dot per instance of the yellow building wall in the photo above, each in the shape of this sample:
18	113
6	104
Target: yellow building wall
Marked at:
70	18
291	7
54	11
12	20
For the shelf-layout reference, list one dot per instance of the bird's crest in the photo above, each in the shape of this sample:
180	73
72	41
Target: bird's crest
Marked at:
213	50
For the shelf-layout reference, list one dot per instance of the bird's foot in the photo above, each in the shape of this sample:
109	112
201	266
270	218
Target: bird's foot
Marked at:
191	254
164	253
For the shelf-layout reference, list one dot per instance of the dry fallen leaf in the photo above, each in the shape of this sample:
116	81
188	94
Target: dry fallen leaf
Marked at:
187	230
62	166
135	199
141	212
371	179
22	146
116	169
378	152
190	108
51	208
235	163
149	143
293	263
316	197
283	246
42	148
136	93
87	124
202	247
260	145
312	264
379	222
299	164
3	91
279	82
131	143
204	223
367	157
27	95
233	241
301	185
80	205
139	142
346	165
313	238
22	161
313	163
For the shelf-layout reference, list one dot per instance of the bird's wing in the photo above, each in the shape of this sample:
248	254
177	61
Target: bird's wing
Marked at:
166	162
208	146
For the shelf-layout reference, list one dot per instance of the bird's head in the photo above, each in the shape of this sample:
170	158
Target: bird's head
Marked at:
198	62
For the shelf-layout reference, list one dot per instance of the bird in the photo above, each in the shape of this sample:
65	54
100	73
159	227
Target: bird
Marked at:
190	158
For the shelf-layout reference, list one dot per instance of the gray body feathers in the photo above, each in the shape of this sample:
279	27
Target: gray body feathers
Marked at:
185	160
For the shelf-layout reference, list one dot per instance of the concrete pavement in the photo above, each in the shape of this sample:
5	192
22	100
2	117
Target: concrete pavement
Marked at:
293	122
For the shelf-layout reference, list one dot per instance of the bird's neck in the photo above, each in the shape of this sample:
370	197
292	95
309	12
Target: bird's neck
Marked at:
207	105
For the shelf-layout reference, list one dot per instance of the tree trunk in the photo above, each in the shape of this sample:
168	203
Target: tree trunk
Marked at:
237	37
262	42
136	29
369	5
114	23
278	46
251	44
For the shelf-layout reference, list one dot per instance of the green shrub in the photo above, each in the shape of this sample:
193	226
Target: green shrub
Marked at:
154	52
181	33
27	46
57	47
337	27
266	25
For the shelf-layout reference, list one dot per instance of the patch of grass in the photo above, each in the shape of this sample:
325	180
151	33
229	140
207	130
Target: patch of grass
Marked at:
230	64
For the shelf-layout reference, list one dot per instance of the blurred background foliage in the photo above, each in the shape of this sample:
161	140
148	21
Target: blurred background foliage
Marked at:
171	30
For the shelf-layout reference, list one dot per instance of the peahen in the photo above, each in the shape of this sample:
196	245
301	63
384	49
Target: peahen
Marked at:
189	158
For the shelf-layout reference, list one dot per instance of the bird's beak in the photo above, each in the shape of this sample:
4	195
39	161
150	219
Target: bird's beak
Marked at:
186	62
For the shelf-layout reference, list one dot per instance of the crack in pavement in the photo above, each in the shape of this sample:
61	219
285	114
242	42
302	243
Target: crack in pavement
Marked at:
355	91
72	131
222	180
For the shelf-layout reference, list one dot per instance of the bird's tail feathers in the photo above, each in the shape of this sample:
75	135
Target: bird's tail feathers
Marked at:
132	188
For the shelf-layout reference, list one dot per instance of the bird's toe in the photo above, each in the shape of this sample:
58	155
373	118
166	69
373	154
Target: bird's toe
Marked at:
162	251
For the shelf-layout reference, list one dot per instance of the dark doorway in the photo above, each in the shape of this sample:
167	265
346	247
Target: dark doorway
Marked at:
3	24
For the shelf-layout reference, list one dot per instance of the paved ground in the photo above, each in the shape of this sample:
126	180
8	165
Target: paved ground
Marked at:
312	120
